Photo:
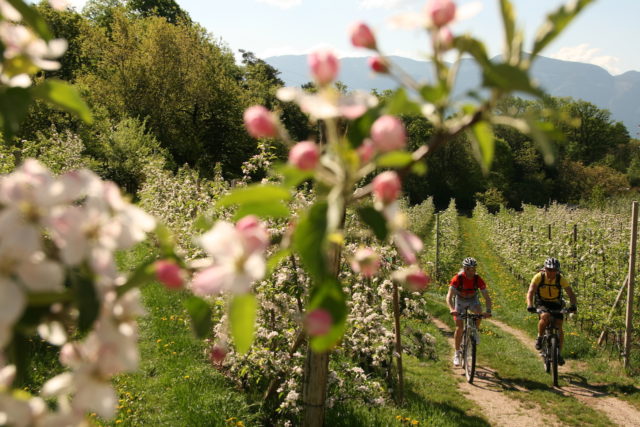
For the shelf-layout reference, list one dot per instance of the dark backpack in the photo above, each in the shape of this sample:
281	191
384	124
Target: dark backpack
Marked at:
539	298
461	282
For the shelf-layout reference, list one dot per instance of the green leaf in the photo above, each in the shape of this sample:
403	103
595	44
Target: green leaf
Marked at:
360	128
242	314
200	314
509	78
474	48
64	96
556	22
399	103
329	296
263	210
394	159
292	176
309	240
143	274
32	18
256	193
482	136
203	223
375	220
276	259
508	20
433	94
165	240
14	105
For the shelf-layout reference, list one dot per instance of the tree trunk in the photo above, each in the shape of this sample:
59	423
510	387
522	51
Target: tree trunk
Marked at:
315	387
398	352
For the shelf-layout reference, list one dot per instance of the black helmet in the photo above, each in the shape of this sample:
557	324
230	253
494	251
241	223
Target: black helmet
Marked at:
469	262
552	263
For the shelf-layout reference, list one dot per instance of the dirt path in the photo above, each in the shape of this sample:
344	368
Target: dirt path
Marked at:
487	392
618	411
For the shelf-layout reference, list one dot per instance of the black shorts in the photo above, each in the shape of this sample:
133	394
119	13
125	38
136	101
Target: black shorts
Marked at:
549	306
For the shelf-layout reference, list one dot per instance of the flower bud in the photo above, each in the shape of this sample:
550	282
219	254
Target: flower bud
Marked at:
387	186
218	353
366	151
260	122
378	64
169	274
366	262
318	322
255	237
324	66
362	36
441	12
445	38
304	155
388	134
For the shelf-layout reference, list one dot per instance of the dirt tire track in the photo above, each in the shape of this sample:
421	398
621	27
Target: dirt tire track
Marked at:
487	393
618	411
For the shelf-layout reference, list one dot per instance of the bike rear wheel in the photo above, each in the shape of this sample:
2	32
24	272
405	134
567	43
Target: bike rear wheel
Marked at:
555	352
470	357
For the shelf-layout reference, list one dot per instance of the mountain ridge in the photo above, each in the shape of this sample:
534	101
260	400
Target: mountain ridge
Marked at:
619	94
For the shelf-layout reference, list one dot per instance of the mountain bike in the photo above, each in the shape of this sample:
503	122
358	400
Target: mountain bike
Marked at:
469	343
550	351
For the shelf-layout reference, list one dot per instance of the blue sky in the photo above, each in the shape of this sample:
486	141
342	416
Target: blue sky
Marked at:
603	34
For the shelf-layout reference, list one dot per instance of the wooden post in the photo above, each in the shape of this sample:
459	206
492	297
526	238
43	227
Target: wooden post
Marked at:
632	272
613	308
437	246
549	231
316	369
396	315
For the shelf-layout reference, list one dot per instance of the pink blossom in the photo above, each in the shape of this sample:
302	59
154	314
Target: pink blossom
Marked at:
169	273
366	261
387	186
260	122
304	155
413	278
408	245
388	134
253	233
237	258
441	12
318	322
366	151
378	64
324	66
362	36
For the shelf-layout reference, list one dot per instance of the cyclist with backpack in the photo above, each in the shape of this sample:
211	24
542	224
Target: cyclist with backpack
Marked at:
464	287
545	295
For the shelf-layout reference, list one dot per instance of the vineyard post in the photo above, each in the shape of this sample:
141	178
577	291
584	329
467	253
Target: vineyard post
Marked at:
437	244
398	344
632	270
549	231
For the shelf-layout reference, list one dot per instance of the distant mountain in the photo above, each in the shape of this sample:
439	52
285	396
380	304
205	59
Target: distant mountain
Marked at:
618	94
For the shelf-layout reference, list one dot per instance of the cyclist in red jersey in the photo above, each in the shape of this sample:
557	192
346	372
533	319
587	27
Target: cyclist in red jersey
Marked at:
464	287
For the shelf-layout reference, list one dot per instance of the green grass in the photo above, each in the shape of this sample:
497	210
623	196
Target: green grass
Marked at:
431	395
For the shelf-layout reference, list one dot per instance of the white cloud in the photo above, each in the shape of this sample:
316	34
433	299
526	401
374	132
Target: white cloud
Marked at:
589	55
380	4
282	4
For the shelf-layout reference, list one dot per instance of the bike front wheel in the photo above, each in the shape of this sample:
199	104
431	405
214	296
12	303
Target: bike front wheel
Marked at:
555	353
470	357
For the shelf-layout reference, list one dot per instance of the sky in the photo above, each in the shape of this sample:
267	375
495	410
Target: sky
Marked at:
603	34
